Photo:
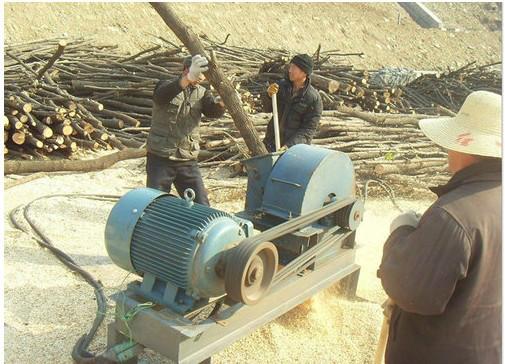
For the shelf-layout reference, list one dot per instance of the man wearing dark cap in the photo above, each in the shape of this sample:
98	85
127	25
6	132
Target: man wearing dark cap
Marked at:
173	141
299	106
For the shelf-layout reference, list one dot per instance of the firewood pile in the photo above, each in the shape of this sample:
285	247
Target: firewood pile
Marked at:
386	147
428	93
60	96
341	85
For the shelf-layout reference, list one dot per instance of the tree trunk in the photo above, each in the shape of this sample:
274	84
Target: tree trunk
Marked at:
17	167
216	78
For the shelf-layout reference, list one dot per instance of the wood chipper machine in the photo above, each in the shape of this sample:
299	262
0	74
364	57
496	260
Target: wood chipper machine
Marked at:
208	277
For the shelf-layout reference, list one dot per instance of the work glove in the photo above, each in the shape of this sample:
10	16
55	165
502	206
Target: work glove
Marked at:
198	66
272	89
409	218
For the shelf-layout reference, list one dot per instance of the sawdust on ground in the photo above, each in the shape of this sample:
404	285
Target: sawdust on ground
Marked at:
47	307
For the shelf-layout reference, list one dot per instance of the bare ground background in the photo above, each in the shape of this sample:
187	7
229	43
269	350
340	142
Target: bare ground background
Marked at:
371	28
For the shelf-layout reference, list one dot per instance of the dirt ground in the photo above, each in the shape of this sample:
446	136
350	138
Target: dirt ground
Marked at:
47	308
383	31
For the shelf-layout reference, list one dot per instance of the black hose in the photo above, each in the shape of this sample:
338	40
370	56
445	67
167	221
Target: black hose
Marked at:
79	351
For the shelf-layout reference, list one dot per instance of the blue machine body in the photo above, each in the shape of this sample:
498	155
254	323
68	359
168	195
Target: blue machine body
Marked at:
301	180
173	243
177	246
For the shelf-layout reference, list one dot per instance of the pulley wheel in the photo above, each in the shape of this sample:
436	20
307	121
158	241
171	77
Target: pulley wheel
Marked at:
250	269
351	216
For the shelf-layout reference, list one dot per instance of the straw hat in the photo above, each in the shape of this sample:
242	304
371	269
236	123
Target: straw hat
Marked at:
476	129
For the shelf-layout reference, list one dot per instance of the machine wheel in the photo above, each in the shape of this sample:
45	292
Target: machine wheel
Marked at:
250	270
351	216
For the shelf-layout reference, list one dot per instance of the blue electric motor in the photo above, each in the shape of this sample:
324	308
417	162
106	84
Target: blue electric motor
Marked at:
175	244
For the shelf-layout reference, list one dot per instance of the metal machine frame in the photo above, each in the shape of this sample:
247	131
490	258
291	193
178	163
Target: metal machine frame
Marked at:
184	342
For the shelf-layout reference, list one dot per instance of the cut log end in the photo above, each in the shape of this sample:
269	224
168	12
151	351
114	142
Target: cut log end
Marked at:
18	138
47	133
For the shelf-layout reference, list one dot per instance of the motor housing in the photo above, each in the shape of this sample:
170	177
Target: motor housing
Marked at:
175	244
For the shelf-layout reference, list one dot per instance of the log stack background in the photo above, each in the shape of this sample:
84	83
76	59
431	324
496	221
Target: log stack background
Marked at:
64	96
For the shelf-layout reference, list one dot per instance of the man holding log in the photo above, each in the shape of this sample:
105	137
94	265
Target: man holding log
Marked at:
443	271
173	141
299	104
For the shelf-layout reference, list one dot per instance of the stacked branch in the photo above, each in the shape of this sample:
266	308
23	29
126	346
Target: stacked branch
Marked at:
92	97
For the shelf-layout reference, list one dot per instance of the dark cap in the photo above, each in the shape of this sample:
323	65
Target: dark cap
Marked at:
304	61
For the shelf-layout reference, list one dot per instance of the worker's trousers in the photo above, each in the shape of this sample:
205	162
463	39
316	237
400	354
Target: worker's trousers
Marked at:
163	172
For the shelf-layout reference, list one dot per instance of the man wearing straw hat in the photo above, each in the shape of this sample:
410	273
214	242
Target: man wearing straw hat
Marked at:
173	141
443	270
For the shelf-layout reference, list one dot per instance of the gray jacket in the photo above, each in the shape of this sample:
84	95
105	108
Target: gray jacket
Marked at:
176	119
445	275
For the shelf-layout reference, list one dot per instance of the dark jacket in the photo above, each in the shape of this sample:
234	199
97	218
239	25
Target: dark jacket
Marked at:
176	118
445	275
299	115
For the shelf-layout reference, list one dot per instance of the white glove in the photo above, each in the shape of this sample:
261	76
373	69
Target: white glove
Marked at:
410	218
198	66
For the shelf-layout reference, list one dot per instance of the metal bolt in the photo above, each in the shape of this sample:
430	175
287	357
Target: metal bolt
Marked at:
357	216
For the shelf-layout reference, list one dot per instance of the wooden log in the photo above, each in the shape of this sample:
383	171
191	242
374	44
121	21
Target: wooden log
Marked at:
126	107
70	144
57	139
6	121
63	129
103	144
18	137
23	118
216	78
87	144
17	167
115	142
406	168
14	122
30	139
61	47
324	83
77	129
113	123
126	119
99	135
20	154
44	130
130	143
444	111
16	103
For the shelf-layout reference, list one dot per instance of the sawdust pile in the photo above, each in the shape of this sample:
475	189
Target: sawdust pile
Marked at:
325	329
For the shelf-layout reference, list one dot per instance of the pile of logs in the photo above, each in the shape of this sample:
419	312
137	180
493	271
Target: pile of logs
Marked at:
387	148
341	85
40	116
61	96
449	90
